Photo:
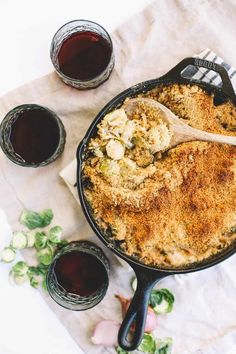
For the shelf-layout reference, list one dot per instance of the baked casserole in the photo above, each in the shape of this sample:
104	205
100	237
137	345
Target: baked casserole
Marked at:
166	208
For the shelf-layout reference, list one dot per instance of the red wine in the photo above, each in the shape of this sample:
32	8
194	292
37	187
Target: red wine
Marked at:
80	273
35	135
84	55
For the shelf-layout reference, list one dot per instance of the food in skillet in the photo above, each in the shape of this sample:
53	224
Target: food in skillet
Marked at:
165	208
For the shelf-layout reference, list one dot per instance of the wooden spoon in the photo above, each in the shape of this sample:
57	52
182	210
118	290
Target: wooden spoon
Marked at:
181	132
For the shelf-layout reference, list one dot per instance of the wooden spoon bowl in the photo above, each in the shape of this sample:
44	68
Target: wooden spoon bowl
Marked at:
181	132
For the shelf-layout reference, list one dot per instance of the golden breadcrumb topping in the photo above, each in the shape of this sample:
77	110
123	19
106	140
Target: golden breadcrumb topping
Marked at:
168	208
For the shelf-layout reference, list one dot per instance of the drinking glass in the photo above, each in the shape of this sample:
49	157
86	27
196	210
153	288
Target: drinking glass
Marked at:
73	301
63	34
6	129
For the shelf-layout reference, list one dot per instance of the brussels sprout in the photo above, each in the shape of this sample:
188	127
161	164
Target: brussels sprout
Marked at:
20	269
148	344
115	150
32	219
8	255
45	256
159	137
46	217
19	240
46	244
162	301
128	133
40	240
98	152
55	234
109	167
20	279
163	346
116	118
30	239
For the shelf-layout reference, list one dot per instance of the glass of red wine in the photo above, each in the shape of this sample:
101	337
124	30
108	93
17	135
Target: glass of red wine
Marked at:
32	135
78	276
82	54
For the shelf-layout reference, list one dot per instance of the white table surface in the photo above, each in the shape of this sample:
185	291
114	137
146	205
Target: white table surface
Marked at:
27	27
27	324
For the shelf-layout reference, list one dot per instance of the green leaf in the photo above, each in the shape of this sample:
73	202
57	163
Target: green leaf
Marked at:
163	346
51	248
32	219
40	240
40	269
45	256
34	282
55	234
38	275
44	284
148	344
168	295
119	350
156	298
20	269
62	243
46	216
162	301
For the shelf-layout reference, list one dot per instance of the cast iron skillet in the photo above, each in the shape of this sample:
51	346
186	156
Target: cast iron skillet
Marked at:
148	276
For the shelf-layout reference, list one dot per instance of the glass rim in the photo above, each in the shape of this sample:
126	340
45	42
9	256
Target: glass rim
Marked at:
12	155
57	68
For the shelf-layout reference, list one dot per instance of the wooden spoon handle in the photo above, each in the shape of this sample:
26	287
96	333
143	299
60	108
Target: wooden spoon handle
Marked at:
189	134
218	138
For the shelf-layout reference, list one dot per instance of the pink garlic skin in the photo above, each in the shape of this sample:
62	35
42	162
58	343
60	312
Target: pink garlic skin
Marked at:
151	321
124	304
105	333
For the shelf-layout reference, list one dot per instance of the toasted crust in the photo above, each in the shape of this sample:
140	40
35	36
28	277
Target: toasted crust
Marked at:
185	210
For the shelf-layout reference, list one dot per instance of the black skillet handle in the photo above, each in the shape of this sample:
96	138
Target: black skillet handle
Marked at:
227	87
137	311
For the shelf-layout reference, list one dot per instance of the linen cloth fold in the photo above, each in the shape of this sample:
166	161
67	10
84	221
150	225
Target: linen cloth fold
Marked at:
146	46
